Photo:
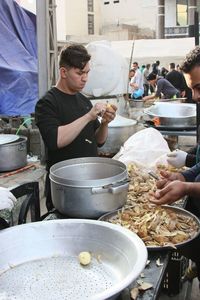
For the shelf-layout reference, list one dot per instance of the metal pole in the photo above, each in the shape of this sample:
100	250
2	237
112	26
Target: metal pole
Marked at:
43	46
161	19
192	7
196	28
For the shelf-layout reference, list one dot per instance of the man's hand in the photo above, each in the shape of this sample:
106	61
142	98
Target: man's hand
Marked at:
167	177
98	109
172	192
177	158
7	199
109	114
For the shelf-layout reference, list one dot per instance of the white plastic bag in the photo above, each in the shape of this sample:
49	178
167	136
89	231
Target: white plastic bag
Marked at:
146	148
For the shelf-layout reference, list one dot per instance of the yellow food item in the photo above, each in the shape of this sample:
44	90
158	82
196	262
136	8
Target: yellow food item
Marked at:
84	258
108	105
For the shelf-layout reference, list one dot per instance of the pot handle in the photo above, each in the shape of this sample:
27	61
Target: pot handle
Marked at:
115	188
21	147
119	187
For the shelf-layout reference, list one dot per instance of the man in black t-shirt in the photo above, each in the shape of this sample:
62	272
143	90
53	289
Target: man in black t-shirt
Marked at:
67	121
176	78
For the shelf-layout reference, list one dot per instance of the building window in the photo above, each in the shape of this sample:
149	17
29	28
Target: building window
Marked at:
90	5
90	24
182	12
106	2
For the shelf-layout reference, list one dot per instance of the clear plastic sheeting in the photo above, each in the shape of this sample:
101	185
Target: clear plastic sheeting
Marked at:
147	148
108	71
18	60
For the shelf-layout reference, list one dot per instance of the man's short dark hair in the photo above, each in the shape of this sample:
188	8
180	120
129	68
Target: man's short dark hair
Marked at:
74	56
172	65
192	59
151	76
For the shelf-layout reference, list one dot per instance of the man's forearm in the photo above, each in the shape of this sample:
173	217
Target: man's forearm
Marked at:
193	189
102	133
67	133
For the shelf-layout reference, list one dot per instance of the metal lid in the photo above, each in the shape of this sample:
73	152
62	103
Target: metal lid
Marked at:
8	138
88	172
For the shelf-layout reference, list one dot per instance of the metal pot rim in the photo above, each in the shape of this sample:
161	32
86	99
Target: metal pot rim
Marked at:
92	182
21	139
60	227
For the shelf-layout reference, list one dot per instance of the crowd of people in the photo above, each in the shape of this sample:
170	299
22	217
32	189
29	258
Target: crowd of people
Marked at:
152	82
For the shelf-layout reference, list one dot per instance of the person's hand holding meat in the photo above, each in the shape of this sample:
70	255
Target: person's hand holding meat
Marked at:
172	192
109	114
167	177
98	109
171	187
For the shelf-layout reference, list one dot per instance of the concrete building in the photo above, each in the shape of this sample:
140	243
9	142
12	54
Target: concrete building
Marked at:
77	18
86	20
128	19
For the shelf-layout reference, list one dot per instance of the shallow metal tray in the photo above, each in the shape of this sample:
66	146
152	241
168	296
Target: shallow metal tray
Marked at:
112	215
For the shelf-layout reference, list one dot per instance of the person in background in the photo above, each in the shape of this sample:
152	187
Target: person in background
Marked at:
155	67
142	68
178	68
188	91
145	81
130	89
67	120
163	72
163	88
176	78
137	83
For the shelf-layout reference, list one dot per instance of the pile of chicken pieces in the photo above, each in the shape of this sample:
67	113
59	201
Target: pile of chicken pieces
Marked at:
157	226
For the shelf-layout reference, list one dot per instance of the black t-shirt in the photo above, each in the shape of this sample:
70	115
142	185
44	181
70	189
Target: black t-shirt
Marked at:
56	109
176	79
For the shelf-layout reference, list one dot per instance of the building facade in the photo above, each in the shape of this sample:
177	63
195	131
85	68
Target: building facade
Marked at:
86	20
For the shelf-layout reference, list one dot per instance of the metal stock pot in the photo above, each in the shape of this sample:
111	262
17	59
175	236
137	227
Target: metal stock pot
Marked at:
88	187
40	260
13	152
119	130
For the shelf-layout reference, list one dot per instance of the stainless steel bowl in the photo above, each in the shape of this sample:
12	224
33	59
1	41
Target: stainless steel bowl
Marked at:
173	114
40	260
136	103
119	130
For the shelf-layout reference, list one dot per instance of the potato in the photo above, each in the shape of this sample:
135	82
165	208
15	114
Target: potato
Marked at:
84	258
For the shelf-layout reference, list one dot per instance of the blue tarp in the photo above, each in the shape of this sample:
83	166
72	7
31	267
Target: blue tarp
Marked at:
18	60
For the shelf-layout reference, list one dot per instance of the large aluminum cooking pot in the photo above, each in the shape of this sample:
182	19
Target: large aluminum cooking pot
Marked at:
13	152
88	187
40	260
173	114
119	130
